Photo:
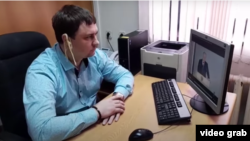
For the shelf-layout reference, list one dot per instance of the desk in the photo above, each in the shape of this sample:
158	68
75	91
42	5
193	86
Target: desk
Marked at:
140	113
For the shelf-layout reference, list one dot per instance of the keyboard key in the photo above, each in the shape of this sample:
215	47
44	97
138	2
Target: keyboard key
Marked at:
176	97
171	99
166	106
174	106
169	117
173	90
178	104
171	84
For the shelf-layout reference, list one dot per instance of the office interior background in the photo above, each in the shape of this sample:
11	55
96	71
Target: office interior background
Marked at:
165	20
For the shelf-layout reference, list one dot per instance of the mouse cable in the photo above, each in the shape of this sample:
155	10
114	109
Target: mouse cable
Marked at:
177	122
196	100
162	130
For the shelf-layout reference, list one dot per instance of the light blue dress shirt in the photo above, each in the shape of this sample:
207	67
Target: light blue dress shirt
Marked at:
56	101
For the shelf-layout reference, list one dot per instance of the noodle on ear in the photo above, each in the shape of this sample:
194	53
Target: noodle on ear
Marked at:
70	49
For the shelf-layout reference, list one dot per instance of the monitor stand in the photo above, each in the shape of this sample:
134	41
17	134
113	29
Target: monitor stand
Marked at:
198	104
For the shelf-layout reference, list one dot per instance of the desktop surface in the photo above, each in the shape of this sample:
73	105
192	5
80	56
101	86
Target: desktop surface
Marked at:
140	113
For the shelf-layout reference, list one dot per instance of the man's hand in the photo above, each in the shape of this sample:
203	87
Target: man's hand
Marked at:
110	106
115	117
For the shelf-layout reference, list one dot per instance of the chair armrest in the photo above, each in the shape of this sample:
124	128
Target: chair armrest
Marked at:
7	136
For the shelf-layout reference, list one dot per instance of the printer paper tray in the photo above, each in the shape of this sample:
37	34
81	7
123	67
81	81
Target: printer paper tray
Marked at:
159	71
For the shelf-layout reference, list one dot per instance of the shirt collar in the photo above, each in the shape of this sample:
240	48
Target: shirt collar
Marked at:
67	65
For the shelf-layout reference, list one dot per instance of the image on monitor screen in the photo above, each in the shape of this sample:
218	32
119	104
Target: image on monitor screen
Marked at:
209	65
208	70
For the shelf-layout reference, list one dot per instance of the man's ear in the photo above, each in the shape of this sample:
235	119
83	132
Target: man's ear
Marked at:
64	37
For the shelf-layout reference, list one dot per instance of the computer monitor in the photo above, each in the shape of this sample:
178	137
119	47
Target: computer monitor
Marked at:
209	65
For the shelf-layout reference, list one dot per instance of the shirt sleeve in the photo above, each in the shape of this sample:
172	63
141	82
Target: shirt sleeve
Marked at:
116	74
39	98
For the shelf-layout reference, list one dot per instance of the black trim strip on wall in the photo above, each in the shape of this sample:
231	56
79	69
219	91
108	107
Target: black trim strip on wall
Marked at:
245	29
233	29
197	26
178	22
169	29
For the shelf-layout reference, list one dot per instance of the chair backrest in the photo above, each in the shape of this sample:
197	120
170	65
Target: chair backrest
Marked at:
17	51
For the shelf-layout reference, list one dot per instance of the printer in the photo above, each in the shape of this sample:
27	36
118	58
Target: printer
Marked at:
165	59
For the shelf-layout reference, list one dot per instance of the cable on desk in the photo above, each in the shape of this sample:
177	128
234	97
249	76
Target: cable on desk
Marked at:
192	97
163	129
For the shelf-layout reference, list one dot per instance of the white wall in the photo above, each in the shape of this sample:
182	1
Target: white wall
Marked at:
115	16
143	10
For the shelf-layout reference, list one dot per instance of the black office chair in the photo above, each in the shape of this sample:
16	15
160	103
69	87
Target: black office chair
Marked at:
17	51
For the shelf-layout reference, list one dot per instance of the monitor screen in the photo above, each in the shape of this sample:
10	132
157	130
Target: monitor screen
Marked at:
209	66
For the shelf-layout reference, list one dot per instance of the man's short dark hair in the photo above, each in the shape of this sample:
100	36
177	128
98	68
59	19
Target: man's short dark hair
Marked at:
68	19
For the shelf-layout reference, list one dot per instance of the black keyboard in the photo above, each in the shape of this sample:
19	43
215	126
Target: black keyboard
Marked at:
169	102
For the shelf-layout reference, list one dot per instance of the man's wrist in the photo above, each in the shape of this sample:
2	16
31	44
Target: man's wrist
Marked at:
98	112
119	94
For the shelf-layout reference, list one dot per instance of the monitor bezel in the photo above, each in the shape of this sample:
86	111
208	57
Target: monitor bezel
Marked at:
229	48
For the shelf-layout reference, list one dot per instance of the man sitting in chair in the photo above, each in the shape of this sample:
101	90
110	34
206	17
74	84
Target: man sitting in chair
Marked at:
62	82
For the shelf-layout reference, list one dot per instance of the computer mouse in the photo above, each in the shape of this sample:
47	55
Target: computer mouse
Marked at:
141	135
